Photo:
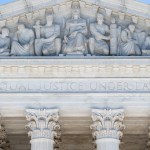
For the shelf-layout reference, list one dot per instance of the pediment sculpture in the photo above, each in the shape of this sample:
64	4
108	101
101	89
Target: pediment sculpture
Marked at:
81	35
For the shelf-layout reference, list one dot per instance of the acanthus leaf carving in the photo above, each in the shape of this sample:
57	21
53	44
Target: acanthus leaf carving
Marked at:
108	123
43	123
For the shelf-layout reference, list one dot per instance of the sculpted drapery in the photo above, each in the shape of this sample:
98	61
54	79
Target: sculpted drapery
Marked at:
128	46
22	44
47	42
98	43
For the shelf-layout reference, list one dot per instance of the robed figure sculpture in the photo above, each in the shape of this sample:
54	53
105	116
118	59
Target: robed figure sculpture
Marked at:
75	41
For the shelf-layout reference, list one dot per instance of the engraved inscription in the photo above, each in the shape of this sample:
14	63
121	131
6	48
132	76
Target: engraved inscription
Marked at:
75	85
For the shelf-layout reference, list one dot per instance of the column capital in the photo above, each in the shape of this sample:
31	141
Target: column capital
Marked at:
43	123
108	123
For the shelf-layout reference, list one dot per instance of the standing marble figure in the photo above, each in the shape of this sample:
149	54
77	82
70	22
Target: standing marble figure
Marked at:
48	42
75	41
37	28
23	42
113	40
100	34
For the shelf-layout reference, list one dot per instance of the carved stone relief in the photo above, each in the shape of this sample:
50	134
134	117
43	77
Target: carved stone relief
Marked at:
97	43
47	40
75	40
4	42
22	44
75	32
127	45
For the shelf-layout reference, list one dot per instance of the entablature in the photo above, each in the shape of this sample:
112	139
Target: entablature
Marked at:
75	68
30	6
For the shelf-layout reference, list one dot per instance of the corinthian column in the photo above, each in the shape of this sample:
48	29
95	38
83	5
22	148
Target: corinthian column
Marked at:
107	128
43	127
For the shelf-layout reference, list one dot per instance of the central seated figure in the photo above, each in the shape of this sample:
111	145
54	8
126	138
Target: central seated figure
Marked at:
75	41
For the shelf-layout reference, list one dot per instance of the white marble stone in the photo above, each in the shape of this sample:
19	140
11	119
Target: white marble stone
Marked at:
107	128
93	82
74	32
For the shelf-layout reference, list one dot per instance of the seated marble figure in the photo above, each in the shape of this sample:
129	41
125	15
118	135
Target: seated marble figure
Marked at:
5	42
47	41
100	34
146	47
75	41
127	45
23	42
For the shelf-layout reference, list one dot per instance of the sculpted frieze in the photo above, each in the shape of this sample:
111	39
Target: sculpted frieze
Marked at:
76	33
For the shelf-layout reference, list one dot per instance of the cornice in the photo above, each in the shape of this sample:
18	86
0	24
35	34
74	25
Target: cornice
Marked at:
20	7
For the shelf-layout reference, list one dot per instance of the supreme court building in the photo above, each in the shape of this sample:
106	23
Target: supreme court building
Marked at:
74	75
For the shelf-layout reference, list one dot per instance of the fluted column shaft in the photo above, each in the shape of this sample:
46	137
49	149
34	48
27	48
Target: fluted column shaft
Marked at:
108	144
107	128
43	128
42	144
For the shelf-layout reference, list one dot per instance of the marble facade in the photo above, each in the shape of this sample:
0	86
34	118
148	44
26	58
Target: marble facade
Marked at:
101	33
75	74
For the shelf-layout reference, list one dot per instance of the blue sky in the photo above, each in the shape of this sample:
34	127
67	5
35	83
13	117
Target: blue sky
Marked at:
144	1
7	1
